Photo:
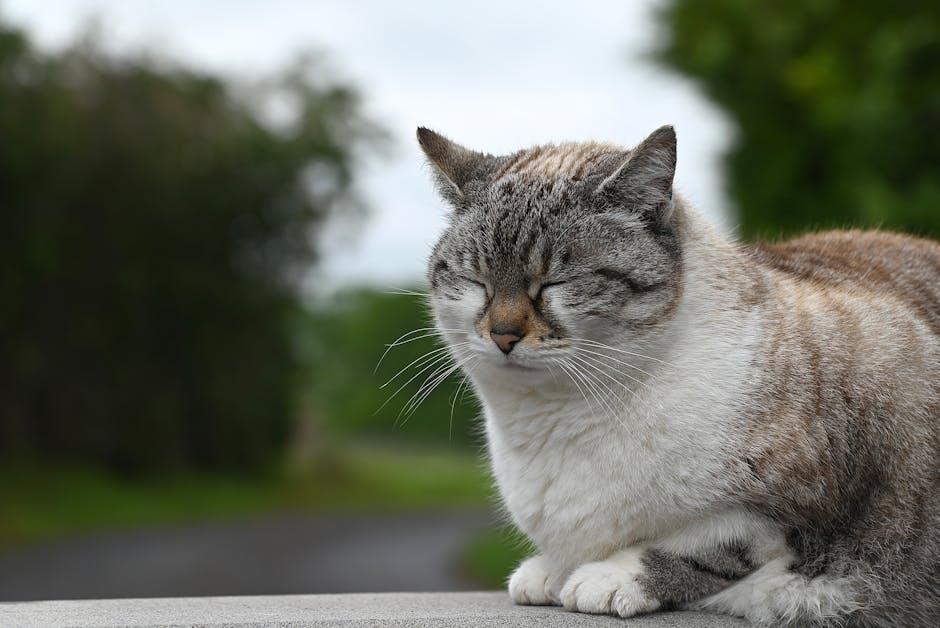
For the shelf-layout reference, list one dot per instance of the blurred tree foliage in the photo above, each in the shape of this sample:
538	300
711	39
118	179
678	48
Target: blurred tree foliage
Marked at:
155	223
837	105
344	341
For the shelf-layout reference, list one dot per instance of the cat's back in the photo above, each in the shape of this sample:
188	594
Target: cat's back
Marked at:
852	382
882	263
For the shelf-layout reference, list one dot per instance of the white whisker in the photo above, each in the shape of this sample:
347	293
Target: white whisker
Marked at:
464	380
436	361
596	369
425	356
613	359
591	387
603	368
601	345
562	365
427	388
430	331
589	372
405	292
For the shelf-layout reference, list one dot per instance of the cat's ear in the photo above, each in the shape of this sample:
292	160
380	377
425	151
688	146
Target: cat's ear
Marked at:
454	166
643	183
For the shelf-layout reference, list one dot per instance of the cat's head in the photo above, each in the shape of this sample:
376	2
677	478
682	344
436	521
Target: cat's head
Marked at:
554	247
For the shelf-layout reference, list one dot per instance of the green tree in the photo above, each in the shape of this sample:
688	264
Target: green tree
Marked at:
837	107
154	225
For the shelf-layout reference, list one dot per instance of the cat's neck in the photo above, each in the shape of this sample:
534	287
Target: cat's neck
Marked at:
720	310
721	281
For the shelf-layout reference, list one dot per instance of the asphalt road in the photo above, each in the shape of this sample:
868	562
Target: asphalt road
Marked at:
264	556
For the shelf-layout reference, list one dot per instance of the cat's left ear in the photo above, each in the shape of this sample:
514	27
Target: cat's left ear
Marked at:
454	166
643	183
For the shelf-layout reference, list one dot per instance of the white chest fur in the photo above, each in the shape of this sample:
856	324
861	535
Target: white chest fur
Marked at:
583	482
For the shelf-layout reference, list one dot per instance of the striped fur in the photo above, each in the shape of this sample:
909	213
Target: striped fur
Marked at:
571	161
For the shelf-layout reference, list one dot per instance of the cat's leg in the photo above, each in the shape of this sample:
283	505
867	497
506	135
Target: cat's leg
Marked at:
776	595
644	579
537	582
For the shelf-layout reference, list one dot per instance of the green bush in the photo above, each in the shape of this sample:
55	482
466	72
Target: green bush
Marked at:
836	107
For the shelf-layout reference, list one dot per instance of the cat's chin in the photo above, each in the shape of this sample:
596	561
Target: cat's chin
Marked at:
513	365
516	366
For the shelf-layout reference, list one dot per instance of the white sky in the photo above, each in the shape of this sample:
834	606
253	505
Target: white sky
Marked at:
495	76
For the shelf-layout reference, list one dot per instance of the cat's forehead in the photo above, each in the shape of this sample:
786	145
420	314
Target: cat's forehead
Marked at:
572	161
537	193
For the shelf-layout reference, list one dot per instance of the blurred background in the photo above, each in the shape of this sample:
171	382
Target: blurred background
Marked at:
215	220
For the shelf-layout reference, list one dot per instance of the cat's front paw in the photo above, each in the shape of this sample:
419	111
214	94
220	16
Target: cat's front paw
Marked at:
609	587
535	582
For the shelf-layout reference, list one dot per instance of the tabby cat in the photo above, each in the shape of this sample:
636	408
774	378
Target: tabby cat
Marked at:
681	421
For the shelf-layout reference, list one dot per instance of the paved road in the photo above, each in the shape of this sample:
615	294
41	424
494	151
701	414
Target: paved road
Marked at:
269	556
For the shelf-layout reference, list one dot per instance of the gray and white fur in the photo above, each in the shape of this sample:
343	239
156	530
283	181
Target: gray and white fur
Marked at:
679	420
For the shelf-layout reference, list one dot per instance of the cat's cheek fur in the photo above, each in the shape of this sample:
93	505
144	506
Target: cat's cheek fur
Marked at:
455	316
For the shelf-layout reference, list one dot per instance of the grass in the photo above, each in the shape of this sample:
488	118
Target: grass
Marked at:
41	502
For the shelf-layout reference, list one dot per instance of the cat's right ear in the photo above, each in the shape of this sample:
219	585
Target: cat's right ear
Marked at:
454	166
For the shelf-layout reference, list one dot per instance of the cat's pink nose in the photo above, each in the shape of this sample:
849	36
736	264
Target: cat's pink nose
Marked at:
506	337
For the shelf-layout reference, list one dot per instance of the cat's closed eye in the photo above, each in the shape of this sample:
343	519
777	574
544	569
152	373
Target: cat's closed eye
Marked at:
636	286
474	282
537	291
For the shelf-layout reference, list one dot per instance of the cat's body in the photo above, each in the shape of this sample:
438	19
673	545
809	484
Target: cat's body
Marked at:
685	421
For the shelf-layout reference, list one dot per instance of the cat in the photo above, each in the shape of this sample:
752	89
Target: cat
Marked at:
681	421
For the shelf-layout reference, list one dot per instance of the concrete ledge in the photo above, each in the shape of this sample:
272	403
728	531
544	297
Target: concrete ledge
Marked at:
485	609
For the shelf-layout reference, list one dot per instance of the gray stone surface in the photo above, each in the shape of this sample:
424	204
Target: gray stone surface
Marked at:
484	609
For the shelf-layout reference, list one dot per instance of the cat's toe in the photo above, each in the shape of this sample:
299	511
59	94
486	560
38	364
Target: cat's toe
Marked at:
606	588
535	582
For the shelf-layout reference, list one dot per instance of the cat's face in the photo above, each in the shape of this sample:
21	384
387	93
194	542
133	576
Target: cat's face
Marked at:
553	248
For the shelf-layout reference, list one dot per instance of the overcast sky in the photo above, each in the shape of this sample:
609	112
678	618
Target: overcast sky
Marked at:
493	75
